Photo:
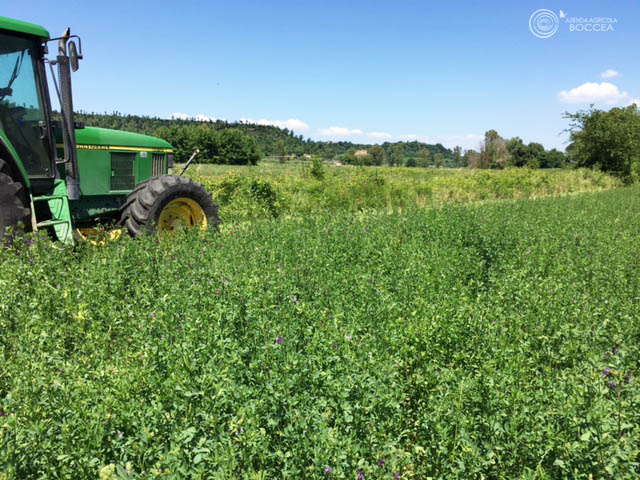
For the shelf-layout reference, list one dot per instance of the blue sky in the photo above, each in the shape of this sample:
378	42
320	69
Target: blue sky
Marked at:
362	71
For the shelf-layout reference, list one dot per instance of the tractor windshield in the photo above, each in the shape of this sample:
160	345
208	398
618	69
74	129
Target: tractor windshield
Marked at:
22	117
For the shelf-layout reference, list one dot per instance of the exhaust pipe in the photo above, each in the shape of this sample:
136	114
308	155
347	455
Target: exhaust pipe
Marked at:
68	123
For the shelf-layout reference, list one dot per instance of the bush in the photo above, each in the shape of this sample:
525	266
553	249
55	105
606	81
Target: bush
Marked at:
317	168
247	196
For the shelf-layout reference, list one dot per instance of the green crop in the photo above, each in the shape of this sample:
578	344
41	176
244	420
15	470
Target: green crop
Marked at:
467	341
273	190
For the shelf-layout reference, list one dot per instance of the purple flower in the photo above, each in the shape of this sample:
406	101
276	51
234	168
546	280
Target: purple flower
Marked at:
397	475
279	340
615	350
606	372
295	298
380	462
153	314
349	337
3	413
612	384
328	470
335	345
360	474
29	242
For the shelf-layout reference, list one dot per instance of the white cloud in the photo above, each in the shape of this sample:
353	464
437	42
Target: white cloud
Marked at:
609	73
291	124
186	116
592	92
340	131
379	135
409	136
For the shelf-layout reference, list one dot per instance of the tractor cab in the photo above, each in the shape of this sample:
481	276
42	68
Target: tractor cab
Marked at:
24	116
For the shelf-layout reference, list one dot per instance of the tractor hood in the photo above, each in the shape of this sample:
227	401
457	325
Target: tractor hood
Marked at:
92	138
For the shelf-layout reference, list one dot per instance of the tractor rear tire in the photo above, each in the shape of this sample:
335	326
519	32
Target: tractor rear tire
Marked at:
14	209
167	203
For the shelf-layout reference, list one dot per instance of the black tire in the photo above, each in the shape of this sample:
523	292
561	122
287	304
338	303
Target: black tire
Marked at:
14	206
145	204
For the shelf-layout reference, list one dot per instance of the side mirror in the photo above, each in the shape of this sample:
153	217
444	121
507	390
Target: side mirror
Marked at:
73	56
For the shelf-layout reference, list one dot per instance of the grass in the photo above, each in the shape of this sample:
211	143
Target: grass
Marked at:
467	341
274	190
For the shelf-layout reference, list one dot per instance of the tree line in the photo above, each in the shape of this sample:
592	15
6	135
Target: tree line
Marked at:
605	140
239	142
496	152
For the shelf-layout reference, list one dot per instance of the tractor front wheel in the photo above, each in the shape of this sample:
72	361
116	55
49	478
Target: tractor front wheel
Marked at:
166	204
14	208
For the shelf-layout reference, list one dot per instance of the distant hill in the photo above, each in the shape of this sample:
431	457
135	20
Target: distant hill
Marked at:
273	141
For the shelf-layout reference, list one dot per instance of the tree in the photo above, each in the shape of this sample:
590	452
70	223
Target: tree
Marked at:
493	151
609	141
349	157
424	157
457	156
378	155
535	152
471	158
553	159
438	158
236	148
396	154
282	150
518	151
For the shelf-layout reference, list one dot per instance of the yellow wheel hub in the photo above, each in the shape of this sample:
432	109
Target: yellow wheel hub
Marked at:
181	212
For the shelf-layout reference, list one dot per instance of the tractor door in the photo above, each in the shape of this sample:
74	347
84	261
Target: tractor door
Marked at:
22	109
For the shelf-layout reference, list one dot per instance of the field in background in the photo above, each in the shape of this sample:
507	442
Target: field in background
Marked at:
275	190
482	341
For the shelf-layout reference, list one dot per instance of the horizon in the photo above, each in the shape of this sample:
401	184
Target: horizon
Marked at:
365	72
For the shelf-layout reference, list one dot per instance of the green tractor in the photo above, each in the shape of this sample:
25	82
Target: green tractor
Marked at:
64	178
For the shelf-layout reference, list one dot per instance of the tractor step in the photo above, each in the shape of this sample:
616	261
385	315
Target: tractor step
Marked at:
58	203
46	198
51	223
